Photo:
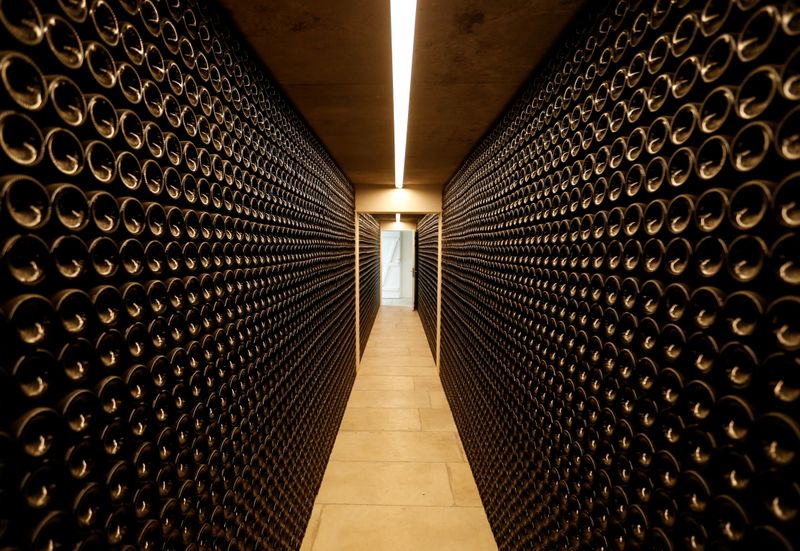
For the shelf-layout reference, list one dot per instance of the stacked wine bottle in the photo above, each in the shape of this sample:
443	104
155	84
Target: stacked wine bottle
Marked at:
621	309
176	304
428	275
369	274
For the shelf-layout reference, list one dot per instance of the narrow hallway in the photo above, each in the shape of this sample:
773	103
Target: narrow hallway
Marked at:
398	477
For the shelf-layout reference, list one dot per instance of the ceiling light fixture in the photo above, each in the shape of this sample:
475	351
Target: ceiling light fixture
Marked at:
404	14
397	217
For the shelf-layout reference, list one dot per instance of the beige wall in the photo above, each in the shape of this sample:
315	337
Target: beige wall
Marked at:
409	200
398	226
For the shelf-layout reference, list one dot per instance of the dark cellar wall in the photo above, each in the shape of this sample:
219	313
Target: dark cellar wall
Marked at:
428	275
620	318
369	265
177	285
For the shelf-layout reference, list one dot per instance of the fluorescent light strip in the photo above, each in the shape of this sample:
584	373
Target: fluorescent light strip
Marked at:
404	14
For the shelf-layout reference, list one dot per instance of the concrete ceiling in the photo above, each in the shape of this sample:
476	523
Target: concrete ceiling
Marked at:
333	59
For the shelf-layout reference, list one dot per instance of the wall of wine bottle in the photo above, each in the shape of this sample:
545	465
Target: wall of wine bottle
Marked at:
369	266
176	285
621	319
428	275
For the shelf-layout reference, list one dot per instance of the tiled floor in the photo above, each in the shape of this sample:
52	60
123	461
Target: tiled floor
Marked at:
398	477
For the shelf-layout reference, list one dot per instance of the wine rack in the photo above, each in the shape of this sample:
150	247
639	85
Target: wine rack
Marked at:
428	275
369	259
176	287
621	262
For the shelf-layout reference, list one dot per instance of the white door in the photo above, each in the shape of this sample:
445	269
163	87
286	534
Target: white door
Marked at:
390	263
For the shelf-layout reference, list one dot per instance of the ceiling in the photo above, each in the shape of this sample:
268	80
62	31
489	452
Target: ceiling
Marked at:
333	59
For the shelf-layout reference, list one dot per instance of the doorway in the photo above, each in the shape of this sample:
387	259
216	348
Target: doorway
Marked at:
397	268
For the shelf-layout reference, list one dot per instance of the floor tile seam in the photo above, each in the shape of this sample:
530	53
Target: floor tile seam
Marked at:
383	354
393	335
381	430
379	361
389	461
395	407
386	375
453	505
389	365
390	389
385	389
428	407
342	429
393	339
393	461
383	360
382	366
396	337
398	430
396	341
412	506
421	405
382	348
376	369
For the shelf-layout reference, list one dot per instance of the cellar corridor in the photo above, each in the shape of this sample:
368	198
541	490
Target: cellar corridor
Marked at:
594	207
398	477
